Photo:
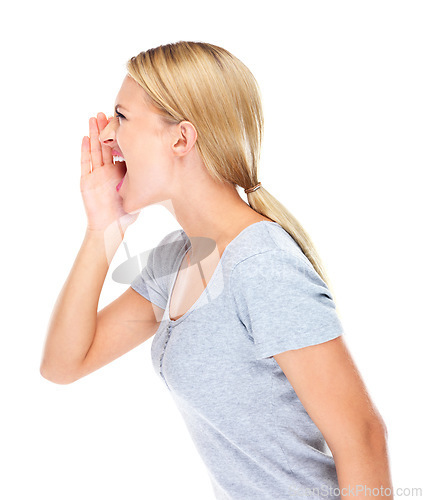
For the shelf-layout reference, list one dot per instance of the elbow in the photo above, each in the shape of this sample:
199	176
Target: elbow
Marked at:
55	378
384	428
377	427
374	433
377	435
369	437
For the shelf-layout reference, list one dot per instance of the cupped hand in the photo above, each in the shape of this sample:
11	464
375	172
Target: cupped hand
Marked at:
99	178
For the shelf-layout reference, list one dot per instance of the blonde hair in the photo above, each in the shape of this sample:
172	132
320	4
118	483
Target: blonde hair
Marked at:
212	89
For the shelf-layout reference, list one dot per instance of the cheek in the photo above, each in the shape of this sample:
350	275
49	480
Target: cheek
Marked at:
149	155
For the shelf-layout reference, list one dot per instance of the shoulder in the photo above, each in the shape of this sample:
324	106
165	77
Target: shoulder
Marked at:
268	250
277	265
261	238
163	256
171	243
276	273
283	302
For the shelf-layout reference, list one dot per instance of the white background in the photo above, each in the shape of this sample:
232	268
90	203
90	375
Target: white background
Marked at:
342	95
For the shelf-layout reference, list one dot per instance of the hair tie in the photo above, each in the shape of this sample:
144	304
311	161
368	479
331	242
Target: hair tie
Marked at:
250	190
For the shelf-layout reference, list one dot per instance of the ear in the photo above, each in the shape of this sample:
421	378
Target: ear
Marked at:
186	135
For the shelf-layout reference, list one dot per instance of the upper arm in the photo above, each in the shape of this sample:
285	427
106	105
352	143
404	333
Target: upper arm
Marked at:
289	313
330	387
122	325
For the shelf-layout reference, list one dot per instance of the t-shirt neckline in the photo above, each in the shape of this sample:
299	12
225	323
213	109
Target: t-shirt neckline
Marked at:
210	283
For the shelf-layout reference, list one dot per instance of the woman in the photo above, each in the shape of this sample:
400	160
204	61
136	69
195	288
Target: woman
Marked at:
247	337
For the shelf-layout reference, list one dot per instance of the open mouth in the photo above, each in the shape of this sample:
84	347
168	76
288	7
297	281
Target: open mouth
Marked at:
117	156
121	160
120	183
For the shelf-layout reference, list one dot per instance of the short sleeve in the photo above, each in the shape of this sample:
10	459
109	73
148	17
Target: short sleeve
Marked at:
153	280
283	302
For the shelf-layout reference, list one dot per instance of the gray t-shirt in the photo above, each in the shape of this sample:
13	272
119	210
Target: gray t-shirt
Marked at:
247	422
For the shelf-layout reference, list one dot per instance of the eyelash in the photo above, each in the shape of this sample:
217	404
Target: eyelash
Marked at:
119	115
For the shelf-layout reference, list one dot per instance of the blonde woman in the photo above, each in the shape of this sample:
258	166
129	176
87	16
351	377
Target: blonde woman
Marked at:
247	338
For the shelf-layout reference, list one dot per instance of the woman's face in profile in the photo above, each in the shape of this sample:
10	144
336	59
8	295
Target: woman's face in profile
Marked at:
139	134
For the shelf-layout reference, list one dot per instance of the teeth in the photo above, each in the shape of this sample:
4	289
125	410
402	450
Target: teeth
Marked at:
118	158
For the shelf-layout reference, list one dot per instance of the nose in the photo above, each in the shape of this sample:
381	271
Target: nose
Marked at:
108	134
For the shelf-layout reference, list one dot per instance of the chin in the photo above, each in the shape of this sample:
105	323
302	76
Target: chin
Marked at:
131	207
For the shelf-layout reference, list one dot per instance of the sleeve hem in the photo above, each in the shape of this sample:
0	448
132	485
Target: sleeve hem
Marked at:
146	295
267	350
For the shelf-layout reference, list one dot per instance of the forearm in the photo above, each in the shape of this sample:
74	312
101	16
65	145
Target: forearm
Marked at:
363	469
73	322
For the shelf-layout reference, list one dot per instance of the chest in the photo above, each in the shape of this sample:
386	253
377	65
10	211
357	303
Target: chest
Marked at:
207	358
192	279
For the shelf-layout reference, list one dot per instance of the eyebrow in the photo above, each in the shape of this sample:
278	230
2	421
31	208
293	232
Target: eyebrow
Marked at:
120	106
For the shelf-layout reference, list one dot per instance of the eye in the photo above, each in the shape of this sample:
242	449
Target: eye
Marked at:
119	115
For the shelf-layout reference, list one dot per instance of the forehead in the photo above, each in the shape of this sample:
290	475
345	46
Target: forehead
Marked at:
131	95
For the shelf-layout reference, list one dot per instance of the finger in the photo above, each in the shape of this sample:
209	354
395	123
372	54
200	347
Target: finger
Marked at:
96	157
85	156
106	150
